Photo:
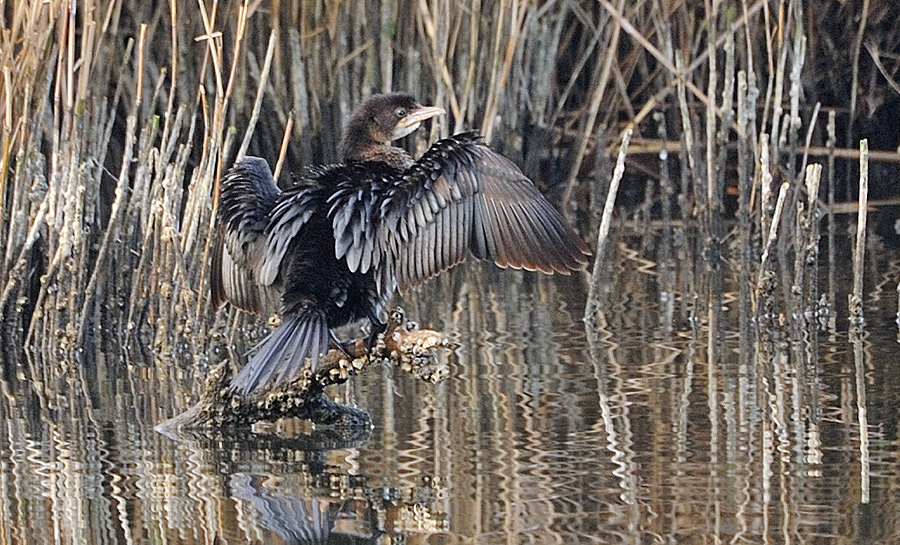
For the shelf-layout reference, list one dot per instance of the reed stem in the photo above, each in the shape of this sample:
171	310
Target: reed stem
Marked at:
600	254
859	248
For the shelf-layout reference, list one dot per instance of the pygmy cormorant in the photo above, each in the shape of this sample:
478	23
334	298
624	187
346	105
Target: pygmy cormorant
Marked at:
333	248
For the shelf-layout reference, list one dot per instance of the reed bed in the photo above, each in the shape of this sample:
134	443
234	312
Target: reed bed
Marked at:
120	117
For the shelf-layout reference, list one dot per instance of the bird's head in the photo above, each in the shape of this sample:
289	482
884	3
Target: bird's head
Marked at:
381	119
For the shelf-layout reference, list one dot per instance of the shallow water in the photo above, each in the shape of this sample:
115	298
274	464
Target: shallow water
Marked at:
653	428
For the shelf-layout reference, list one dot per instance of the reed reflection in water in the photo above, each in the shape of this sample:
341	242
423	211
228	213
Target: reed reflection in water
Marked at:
659	428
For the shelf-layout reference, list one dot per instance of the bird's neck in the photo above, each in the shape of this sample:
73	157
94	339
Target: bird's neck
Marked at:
362	149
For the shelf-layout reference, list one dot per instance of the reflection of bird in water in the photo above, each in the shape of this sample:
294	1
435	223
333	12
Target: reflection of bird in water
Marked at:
295	520
333	249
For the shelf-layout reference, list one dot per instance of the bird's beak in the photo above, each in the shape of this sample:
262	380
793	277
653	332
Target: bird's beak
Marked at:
421	114
411	122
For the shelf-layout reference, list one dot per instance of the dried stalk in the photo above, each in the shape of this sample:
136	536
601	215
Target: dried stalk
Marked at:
807	240
854	71
773	235
596	100
859	248
257	104
600	254
711	203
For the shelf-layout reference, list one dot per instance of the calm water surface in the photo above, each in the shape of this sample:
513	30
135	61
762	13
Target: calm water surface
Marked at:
652	428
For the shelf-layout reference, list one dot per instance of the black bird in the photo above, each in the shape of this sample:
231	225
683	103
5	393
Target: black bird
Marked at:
333	248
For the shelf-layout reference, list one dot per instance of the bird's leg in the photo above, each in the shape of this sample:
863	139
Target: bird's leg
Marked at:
378	327
343	346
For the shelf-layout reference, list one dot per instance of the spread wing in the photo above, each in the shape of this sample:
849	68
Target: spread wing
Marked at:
459	197
292	212
247	195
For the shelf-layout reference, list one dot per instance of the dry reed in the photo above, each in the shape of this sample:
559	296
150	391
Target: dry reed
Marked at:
859	246
601	253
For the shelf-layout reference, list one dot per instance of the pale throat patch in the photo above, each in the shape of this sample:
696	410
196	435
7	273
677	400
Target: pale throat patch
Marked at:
400	131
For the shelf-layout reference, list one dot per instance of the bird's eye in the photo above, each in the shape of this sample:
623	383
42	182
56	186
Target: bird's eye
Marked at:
401	112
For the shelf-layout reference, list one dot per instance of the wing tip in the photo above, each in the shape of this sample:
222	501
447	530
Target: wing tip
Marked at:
566	256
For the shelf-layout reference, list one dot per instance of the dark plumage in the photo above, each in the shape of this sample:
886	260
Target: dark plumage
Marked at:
335	247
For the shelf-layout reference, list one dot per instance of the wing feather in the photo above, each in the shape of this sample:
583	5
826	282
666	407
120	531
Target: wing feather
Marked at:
247	195
358	194
461	196
286	220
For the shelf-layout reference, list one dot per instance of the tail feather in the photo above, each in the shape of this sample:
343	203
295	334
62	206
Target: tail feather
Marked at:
282	354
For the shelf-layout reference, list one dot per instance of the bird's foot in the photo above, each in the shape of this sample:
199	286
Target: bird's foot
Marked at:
344	346
378	327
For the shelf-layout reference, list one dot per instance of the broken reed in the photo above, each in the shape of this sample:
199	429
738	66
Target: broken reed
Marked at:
601	269
855	298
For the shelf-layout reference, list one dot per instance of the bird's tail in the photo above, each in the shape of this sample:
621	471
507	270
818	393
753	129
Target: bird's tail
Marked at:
283	352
